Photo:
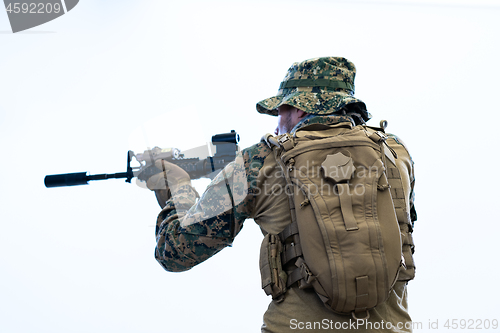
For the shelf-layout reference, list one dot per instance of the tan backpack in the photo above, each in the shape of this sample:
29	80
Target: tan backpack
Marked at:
344	239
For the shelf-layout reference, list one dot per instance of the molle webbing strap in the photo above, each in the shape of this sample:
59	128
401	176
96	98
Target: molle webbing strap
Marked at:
379	137
293	215
327	83
398	195
291	251
295	250
361	293
346	207
291	229
294	276
393	175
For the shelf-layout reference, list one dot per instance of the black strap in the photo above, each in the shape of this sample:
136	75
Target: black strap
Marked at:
290	251
291	229
293	277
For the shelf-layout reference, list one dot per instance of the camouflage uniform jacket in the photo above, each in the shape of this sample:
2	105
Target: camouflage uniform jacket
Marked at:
190	230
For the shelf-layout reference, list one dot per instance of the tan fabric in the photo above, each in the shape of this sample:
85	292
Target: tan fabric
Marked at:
190	231
401	190
349	234
302	309
271	212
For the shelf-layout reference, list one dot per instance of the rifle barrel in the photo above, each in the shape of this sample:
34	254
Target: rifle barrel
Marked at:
78	178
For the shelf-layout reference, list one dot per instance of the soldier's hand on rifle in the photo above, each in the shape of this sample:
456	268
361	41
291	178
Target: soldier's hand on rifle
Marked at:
167	180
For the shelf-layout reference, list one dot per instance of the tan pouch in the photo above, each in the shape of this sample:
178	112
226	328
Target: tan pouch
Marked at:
272	275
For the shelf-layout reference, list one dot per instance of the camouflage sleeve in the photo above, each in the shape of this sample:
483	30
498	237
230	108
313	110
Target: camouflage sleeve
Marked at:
189	231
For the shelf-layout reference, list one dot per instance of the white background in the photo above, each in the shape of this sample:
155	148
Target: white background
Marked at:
78	92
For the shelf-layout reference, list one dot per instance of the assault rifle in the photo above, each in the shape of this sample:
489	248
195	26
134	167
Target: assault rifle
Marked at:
226	145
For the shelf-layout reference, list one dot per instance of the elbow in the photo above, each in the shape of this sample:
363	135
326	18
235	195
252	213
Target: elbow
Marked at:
173	262
173	266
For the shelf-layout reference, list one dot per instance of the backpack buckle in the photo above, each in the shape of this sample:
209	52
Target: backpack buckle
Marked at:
286	141
378	136
283	138
306	274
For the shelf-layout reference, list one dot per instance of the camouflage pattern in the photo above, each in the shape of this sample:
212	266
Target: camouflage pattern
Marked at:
318	98
191	230
188	231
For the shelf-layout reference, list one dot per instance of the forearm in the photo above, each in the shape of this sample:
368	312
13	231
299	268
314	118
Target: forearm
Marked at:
181	248
190	232
178	250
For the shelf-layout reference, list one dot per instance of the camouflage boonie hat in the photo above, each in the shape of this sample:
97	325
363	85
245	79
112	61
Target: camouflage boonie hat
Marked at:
317	86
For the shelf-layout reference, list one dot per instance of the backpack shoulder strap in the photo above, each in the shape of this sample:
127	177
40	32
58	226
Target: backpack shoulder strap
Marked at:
378	135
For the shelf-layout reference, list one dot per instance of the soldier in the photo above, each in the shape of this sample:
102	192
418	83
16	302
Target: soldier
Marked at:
318	95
